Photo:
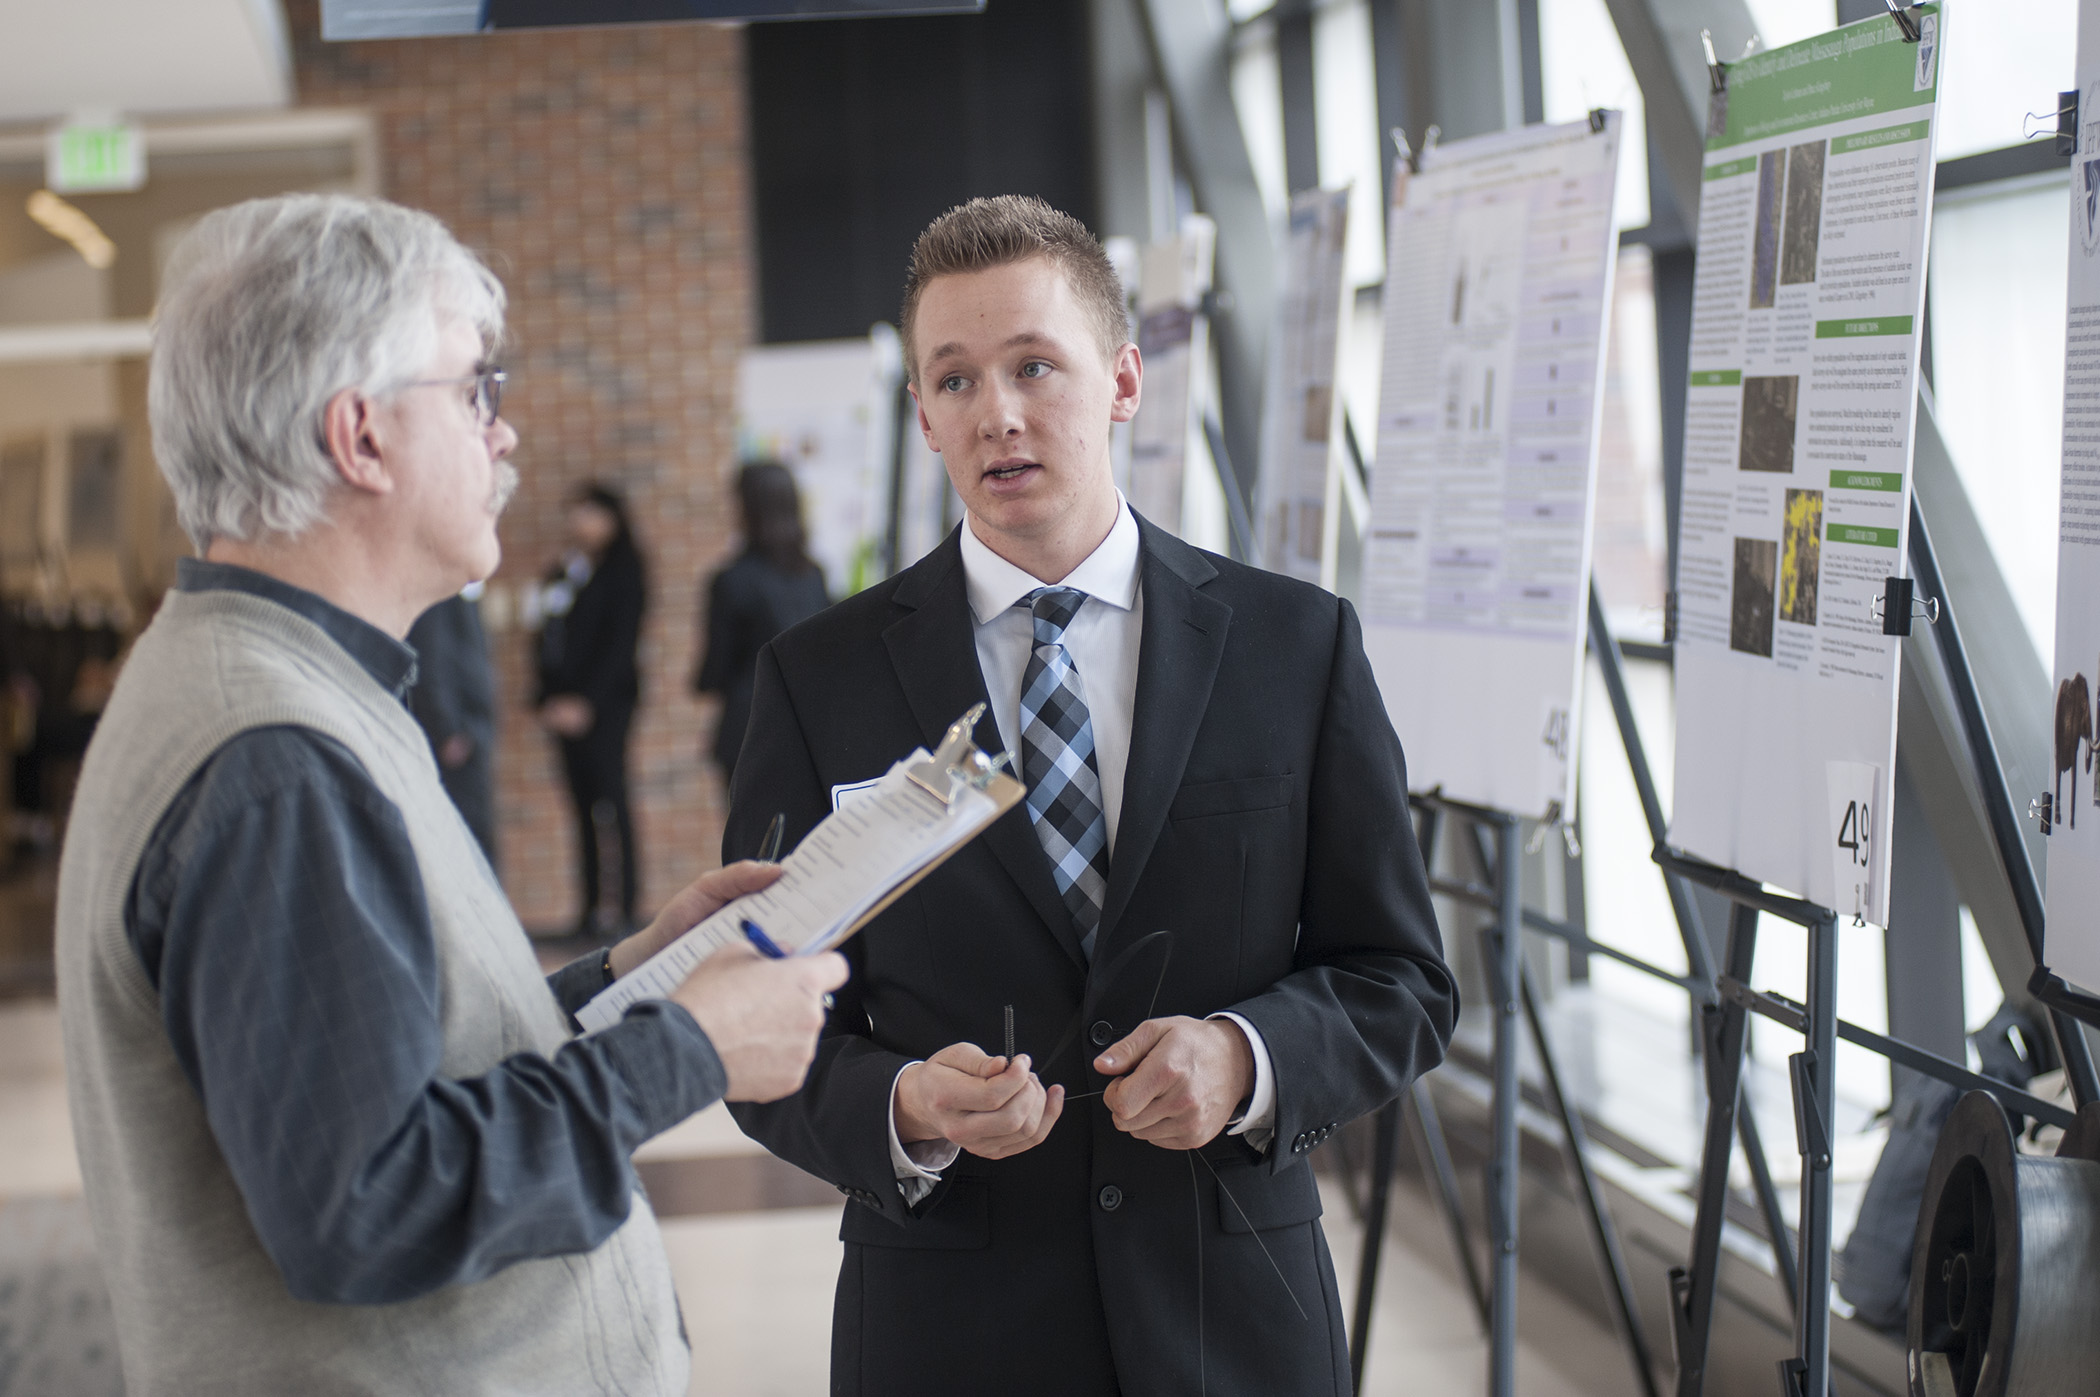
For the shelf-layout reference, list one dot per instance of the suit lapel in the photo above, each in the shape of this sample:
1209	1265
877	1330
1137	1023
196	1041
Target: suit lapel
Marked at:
1178	659
934	651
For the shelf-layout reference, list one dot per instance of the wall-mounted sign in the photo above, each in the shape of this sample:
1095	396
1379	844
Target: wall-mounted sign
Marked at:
402	19
95	157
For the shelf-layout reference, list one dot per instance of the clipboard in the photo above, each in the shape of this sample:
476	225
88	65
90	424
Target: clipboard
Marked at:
847	871
958	764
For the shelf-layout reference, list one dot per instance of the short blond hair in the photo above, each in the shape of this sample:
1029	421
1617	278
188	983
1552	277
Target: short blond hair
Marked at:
1010	228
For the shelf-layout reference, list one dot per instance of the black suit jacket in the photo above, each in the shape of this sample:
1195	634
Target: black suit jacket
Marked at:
1265	826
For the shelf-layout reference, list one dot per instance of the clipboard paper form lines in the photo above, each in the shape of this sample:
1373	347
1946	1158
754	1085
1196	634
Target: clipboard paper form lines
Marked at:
861	858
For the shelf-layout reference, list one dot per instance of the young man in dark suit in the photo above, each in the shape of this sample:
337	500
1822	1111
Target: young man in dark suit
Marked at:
1210	919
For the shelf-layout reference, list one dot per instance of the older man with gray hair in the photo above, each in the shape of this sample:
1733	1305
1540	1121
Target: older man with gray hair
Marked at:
337	1134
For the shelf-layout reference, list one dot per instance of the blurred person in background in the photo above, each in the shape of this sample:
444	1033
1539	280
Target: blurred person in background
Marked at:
773	584
590	682
455	701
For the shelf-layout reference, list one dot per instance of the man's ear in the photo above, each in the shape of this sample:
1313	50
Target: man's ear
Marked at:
350	432
925	427
1128	367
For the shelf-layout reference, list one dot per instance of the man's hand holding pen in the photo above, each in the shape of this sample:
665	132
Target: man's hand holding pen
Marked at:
992	1106
1179	1080
762	1015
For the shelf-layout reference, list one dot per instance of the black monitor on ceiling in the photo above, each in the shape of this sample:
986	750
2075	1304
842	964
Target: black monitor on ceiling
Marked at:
405	19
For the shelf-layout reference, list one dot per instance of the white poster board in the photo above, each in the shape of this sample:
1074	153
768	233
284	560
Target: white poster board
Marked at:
1174	342
1799	423
1476	568
1302	410
2072	938
826	409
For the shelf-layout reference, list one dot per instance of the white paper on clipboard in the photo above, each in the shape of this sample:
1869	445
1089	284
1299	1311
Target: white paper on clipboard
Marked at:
879	840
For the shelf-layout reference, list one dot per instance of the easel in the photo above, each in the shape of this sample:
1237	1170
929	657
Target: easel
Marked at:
1493	838
1723	1004
1725	1026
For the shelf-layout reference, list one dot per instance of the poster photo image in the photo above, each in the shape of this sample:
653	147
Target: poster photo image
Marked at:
1800	556
1804	214
1770	406
1764	256
1750	600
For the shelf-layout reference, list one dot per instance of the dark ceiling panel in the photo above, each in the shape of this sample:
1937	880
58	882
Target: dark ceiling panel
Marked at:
864	131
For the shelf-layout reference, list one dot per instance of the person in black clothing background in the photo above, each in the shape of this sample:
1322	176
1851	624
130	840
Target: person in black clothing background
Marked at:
771	586
455	702
589	684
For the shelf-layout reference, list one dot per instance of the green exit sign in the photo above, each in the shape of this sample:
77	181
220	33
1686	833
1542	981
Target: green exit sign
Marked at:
84	159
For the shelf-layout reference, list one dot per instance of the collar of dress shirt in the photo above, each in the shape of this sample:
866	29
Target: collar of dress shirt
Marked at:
1110	572
390	662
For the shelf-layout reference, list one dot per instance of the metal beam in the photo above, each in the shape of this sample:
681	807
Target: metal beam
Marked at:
1923	938
2014	688
1294	75
1661	39
1191	42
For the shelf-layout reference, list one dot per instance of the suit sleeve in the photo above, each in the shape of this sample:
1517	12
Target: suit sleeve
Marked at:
1371	1004
837	1126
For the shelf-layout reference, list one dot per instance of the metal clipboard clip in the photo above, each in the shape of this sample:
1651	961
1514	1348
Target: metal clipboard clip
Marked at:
957	763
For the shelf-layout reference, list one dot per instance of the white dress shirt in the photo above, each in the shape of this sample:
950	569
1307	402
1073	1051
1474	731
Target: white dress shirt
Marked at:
1103	642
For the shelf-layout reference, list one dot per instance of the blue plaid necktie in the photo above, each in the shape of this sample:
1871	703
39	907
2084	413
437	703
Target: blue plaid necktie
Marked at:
1058	763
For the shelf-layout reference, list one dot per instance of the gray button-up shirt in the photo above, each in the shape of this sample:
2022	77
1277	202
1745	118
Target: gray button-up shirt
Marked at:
279	910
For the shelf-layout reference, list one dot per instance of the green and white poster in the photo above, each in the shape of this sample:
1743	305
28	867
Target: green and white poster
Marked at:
1813	223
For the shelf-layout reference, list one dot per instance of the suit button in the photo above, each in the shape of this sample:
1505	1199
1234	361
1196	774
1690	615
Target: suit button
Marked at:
1103	1033
1111	1198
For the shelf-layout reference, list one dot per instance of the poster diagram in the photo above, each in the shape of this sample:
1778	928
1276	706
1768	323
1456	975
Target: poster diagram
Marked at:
1798	427
1476	568
1174	341
2073	868
827	410
1301	417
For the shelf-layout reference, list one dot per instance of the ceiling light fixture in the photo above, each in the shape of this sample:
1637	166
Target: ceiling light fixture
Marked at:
62	220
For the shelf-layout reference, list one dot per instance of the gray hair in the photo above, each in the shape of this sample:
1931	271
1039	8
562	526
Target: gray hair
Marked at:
270	308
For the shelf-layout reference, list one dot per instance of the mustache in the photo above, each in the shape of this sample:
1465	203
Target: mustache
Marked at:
506	486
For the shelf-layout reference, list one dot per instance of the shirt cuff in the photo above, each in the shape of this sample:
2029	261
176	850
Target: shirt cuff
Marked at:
666	1061
918	1165
1259	1122
578	983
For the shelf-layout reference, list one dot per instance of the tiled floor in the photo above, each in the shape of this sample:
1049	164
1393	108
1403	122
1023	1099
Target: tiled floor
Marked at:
757	1281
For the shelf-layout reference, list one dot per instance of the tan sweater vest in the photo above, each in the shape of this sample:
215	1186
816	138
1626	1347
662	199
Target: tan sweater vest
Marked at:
199	1305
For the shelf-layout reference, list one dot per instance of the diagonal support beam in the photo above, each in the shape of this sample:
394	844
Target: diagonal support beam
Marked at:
1191	43
1661	39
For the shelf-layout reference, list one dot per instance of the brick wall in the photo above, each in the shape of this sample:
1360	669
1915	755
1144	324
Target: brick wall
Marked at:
603	174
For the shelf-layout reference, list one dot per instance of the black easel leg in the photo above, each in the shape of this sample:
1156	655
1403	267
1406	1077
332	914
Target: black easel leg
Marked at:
1429	1130
1814	1072
1768	1200
1602	1232
1726	1032
1384	1152
1503	1179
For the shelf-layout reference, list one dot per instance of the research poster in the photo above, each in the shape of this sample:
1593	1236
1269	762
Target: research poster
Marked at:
2072	943
826	409
1301	418
1174	340
1813	225
1476	567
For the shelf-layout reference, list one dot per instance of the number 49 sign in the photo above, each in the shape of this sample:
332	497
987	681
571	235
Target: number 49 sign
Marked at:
1856	834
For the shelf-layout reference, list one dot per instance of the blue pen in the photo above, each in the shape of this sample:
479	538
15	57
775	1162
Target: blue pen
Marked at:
756	935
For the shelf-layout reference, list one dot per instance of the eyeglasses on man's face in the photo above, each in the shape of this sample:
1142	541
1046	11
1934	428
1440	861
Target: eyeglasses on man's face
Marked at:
486	399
